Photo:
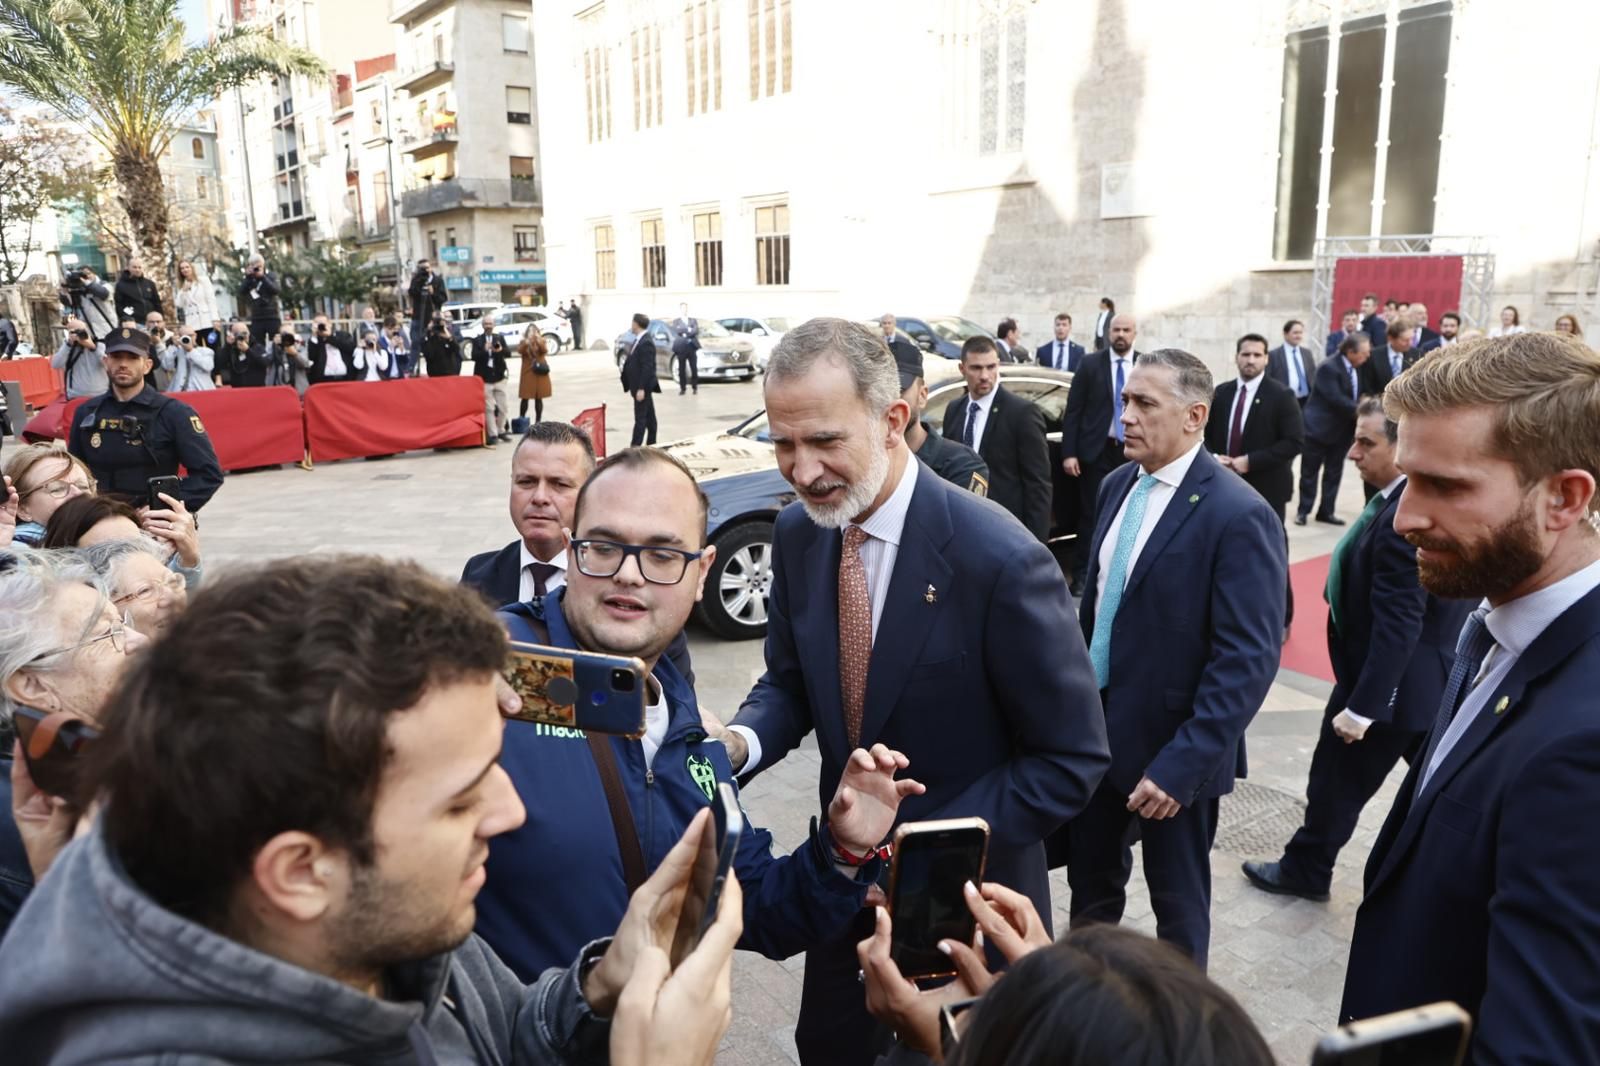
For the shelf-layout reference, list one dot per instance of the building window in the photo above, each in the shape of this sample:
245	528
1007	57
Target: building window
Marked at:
1334	172
525	243
653	239
596	73
1002	79
200	190
708	248
702	24
514	33
380	199
605	257
519	105
524	188
433	245
197	148
771	64
772	245
646	47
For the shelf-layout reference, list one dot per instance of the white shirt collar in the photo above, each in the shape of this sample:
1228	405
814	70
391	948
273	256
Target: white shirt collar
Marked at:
1517	624
1388	490
888	522
559	561
986	402
1250	387
1174	472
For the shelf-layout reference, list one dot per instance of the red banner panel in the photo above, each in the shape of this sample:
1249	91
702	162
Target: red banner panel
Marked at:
41	383
248	427
1433	279
353	419
592	420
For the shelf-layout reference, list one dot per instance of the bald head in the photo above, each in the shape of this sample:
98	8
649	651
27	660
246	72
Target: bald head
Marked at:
1123	330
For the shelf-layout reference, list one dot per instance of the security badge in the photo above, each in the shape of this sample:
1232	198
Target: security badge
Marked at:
94	441
194	420
979	485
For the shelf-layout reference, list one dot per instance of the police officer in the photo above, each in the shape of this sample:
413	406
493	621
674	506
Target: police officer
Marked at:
950	459
132	433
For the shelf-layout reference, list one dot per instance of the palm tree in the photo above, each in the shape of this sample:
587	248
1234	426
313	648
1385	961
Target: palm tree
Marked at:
121	70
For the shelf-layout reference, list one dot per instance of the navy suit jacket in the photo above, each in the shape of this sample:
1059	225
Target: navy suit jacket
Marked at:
1376	329
1017	452
1046	355
1278	365
1195	644
1392	654
1087	421
976	674
1274	436
498	577
1335	339
1485	889
1330	414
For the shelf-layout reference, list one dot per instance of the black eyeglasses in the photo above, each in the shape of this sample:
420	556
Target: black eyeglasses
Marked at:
658	565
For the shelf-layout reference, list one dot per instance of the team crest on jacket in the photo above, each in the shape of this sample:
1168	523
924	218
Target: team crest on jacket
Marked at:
704	775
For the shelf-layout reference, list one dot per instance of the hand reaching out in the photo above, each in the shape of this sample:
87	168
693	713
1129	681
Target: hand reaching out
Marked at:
868	797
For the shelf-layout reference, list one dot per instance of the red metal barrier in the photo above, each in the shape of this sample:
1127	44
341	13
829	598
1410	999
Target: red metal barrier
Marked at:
41	383
351	419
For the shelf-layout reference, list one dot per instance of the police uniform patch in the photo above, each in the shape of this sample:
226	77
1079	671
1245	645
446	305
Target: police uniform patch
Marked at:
194	420
126	332
94	441
704	775
979	485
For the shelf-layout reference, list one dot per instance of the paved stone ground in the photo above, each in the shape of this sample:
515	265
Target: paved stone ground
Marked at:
1284	959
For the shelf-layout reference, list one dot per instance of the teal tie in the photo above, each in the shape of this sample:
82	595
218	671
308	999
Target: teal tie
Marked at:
1106	611
1346	544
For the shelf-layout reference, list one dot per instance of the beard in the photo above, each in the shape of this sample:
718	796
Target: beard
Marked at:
385	925
1487	570
857	497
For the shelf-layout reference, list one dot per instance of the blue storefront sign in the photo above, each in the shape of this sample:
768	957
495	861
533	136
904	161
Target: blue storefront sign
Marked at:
457	283
455	254
511	277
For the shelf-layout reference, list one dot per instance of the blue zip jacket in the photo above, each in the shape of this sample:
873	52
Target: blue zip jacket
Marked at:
556	883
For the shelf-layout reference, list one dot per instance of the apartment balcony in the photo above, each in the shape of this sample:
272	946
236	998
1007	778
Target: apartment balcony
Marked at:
457	193
404	11
420	79
440	136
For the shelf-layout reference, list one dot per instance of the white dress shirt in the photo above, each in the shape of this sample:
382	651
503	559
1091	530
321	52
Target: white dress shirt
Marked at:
1514	626
1295	364
525	590
879	551
1168	478
1388	490
977	427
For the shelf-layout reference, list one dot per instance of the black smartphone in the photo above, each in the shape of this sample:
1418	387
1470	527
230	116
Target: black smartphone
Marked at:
566	689
1434	1035
712	862
157	486
51	744
932	863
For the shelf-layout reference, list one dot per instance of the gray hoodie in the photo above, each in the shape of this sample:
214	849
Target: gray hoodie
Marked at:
94	971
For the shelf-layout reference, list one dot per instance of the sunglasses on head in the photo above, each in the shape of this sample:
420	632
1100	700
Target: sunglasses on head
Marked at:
51	745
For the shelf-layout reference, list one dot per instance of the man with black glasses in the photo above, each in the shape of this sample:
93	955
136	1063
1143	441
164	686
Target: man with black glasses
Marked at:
639	563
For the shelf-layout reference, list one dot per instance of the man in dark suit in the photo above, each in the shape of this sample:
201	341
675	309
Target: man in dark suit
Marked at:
905	353
1372	323
1330	418
1483	886
901	606
1389	361
1008	432
548	467
1183	611
1062	353
1255	428
1449	326
1351	325
1292	363
1091	429
1421	335
639	381
1102	323
1010	343
1391	645
686	350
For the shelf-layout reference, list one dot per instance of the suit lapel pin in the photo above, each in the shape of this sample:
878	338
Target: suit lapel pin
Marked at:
931	596
1501	707
1195	498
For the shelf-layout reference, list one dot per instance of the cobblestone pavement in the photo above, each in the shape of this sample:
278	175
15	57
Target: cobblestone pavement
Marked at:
1283	958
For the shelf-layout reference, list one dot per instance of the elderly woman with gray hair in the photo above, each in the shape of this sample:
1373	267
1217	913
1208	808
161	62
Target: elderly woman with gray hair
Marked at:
63	647
141	587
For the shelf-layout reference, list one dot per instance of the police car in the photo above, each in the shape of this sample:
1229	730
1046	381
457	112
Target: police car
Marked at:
739	473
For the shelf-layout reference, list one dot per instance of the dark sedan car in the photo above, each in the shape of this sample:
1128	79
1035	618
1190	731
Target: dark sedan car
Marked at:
724	356
941	336
739	473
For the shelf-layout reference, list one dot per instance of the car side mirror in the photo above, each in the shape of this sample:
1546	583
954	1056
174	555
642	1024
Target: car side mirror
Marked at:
925	343
758	332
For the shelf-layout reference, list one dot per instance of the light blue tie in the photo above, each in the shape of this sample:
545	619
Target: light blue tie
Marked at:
1105	613
1116	406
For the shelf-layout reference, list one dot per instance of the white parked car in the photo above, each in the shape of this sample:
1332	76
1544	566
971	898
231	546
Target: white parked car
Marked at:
763	334
511	321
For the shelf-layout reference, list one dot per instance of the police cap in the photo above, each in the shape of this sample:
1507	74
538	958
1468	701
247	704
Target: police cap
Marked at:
129	339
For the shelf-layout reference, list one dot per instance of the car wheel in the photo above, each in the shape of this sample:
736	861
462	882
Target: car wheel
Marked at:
552	343
740	582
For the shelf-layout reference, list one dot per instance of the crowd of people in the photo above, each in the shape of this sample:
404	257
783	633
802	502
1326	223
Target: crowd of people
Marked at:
289	814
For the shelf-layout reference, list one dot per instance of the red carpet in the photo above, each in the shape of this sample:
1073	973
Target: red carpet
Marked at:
1307	650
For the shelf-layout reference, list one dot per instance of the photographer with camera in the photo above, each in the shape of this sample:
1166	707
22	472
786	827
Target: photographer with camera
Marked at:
78	359
155	324
188	363
373	362
489	364
332	353
87	298
135	295
245	362
260	292
440	352
427	294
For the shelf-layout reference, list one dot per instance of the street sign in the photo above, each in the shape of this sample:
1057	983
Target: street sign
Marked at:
455	254
511	277
457	283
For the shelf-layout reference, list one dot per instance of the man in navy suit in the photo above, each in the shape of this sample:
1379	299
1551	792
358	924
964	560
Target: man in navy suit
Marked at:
1391	645
639	380
902	609
1008	432
1183	611
548	467
1291	363
1330	421
1091	429
1062	353
1389	361
1373	324
1351	326
1449	326
1483	886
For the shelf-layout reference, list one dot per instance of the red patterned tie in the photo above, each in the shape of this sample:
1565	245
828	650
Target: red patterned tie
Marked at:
855	632
1236	434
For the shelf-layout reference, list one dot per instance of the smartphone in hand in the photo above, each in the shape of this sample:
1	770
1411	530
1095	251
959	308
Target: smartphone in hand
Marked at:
712	863
1434	1035
571	689
158	485
932	863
